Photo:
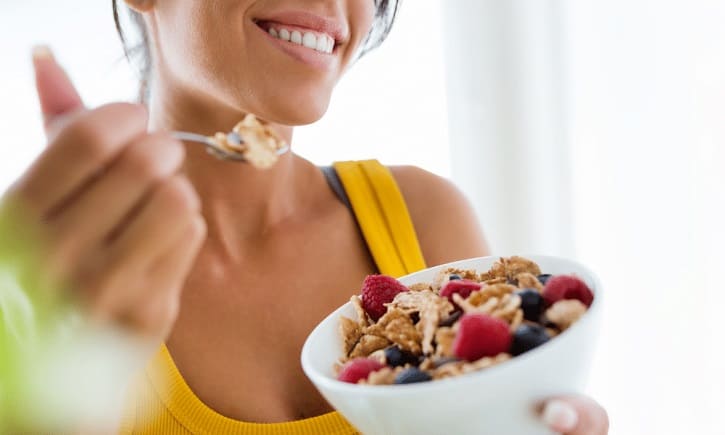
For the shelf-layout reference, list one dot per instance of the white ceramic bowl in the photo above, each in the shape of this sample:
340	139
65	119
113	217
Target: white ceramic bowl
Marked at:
497	400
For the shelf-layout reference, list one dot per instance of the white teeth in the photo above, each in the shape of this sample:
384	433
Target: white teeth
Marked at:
322	43
309	40
296	37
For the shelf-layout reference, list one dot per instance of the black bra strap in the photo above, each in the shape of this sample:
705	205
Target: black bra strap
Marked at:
334	181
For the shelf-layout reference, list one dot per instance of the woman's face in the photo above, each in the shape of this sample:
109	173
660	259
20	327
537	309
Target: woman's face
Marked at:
236	51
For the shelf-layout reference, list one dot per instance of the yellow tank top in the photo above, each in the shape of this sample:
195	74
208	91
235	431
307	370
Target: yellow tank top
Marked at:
160	401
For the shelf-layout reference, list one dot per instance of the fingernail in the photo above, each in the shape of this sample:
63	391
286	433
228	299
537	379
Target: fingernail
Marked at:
42	52
559	416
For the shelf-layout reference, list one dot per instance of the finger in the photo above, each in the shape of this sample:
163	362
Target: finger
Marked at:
155	312
169	207
575	415
159	223
165	271
56	92
101	209
85	147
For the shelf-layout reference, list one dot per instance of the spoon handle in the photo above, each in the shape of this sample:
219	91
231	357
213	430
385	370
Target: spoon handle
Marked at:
182	135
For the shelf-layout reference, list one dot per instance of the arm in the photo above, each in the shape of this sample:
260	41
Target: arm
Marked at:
448	230
444	220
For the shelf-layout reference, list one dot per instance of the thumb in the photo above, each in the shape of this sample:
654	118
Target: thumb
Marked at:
56	93
575	415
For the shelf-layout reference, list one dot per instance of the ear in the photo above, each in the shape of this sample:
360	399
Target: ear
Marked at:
140	6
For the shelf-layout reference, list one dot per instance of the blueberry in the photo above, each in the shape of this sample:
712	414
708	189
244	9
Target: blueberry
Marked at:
528	337
454	277
411	376
544	278
532	303
450	320
395	356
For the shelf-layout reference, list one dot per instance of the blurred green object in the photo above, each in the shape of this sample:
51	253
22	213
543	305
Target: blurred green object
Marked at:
16	316
27	315
55	369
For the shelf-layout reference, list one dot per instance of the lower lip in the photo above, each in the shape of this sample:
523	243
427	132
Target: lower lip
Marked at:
313	58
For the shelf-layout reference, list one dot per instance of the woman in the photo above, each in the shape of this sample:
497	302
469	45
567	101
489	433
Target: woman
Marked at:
230	266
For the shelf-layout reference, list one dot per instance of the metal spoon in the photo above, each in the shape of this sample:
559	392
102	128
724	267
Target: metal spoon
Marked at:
214	149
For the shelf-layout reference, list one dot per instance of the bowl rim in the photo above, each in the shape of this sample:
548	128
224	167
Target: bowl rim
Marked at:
322	380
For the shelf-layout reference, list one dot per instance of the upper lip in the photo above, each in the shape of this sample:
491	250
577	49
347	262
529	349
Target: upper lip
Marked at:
317	23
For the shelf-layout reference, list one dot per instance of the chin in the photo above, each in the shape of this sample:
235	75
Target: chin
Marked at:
293	111
296	117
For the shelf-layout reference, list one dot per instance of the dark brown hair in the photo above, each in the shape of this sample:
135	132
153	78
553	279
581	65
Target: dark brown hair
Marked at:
140	54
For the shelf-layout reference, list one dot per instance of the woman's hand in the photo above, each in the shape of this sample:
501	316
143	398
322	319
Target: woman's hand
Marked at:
575	415
120	226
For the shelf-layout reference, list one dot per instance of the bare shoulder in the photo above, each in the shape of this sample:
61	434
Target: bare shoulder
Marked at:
444	219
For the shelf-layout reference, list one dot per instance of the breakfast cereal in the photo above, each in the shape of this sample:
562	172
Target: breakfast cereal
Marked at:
462	321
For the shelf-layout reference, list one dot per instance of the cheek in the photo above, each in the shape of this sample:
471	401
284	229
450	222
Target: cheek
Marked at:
195	53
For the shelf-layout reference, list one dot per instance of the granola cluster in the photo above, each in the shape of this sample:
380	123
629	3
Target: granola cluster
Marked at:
461	322
260	145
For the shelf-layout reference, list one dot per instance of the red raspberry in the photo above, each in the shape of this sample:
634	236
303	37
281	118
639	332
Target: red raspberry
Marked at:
566	287
463	287
378	290
481	335
358	368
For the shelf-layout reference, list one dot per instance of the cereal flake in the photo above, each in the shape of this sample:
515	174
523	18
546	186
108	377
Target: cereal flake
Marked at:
565	312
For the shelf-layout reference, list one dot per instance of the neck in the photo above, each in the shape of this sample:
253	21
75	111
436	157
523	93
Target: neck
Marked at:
240	203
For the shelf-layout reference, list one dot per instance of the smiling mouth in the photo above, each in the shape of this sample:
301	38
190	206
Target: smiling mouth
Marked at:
319	42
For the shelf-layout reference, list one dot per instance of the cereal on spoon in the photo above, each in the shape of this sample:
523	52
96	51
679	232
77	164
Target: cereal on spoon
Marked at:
462	321
260	145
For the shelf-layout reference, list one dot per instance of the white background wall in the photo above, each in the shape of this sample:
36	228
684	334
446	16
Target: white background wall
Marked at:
647	133
587	129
